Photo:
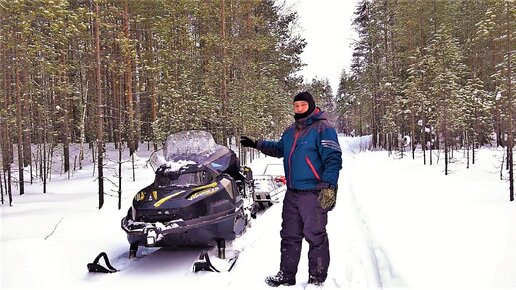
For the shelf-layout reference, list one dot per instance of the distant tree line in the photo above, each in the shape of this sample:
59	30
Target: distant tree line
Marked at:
128	72
436	71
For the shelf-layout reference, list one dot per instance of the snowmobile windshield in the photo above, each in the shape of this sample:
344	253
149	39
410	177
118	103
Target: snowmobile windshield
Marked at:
198	147
182	180
193	143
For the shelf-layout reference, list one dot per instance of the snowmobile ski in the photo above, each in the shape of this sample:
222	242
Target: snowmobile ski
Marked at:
218	265
224	261
95	267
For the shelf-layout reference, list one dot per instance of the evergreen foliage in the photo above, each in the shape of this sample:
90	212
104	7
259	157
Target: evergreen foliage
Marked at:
431	70
223	66
439	72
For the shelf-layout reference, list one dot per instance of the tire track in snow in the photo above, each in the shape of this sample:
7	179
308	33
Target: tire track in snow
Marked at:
376	267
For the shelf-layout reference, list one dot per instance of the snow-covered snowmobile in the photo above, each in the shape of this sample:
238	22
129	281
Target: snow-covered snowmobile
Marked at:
199	197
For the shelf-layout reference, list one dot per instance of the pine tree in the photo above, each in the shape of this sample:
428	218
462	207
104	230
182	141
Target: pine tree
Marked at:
100	116
90	78
430	69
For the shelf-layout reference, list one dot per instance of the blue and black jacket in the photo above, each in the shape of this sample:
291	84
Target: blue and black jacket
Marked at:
311	153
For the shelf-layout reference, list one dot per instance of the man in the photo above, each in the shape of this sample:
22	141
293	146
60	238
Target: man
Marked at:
312	161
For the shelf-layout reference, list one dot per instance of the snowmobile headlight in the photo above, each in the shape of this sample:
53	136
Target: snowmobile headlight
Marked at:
151	237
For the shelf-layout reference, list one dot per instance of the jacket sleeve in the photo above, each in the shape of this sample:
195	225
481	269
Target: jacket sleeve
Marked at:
271	148
331	155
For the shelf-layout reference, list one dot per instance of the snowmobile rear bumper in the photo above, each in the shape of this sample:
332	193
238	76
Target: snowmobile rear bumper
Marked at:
201	232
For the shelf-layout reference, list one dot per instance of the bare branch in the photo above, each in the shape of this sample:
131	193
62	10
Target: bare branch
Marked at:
54	228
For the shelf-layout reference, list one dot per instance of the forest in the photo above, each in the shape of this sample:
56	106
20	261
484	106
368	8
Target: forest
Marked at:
437	73
434	72
131	72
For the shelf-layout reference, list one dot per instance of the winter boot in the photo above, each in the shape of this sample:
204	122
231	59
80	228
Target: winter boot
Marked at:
280	279
316	281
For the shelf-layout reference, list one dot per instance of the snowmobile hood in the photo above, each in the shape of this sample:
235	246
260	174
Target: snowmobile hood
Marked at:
170	203
155	198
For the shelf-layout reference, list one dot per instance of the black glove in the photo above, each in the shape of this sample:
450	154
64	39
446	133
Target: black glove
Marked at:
246	142
328	197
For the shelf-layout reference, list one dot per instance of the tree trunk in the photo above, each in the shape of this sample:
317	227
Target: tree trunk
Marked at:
498	125
1	188
19	125
100	110
431	144
412	132
43	166
445	136
152	83
119	104
467	148
9	189
2	152
129	85
7	152
423	135
3	120
373	121
224	72
27	154
509	97
82	116
109	106
473	138
66	120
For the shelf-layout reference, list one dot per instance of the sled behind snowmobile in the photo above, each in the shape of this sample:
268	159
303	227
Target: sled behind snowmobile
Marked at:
267	190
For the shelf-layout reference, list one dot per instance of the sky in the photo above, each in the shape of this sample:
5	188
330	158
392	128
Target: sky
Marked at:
326	27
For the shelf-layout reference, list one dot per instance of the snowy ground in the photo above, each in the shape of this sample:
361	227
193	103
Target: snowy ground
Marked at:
435	231
398	223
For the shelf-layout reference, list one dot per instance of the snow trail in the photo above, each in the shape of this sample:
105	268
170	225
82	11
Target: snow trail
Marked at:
352	252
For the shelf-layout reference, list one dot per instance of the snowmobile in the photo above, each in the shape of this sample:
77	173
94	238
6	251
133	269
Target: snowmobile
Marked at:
199	198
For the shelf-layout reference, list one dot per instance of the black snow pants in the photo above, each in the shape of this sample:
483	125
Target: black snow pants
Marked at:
303	217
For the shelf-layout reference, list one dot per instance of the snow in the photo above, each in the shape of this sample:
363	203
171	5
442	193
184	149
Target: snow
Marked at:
397	223
173	166
438	231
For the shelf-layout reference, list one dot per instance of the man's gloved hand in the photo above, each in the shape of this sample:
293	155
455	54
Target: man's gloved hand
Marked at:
247	142
328	197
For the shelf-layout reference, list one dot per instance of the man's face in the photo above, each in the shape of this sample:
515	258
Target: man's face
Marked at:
300	107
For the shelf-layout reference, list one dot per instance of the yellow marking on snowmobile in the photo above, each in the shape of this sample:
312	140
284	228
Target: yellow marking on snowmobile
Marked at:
155	194
161	201
140	196
203	193
213	184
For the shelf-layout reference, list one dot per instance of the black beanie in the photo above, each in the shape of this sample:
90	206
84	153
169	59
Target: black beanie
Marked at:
307	97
